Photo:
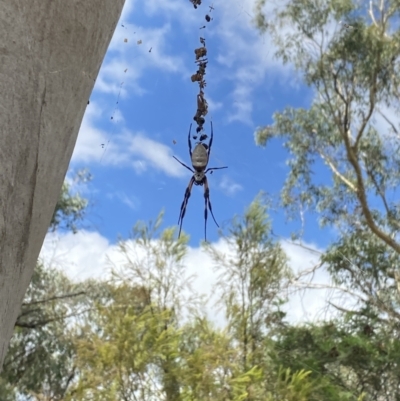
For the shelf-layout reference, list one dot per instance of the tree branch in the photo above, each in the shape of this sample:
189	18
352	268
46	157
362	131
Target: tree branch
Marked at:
40	323
75	294
371	13
336	172
362	197
387	120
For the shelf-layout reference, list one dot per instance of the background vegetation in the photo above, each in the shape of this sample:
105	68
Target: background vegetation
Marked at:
144	335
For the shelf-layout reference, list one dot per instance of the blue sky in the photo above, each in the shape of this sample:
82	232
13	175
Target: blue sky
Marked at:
135	175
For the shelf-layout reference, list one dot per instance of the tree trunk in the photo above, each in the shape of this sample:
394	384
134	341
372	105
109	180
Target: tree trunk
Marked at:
50	54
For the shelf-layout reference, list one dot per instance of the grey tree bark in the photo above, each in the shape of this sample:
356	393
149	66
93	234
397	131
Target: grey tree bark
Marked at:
50	54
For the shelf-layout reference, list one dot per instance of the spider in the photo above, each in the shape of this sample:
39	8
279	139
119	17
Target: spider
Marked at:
199	159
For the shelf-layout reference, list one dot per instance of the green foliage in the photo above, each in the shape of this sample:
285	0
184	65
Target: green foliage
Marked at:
71	207
7	391
203	351
127	340
136	347
369	267
346	360
354	77
133	343
293	386
129	348
157	265
39	362
244	386
143	335
134	338
252	273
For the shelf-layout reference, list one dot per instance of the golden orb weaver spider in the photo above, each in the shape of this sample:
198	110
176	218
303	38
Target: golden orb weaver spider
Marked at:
199	158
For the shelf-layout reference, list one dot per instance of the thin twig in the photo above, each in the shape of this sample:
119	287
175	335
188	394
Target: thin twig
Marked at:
75	294
371	13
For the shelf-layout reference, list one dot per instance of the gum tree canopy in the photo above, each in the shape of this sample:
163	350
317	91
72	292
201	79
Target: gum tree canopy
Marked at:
50	55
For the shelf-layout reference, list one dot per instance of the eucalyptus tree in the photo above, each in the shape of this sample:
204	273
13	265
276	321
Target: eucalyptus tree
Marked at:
40	360
343	149
129	351
139	345
252	277
126	350
354	77
253	274
350	359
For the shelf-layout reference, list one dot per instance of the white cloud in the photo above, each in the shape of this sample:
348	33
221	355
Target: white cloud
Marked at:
310	295
156	155
229	186
128	9
122	148
173	7
113	79
89	145
387	121
139	167
248	57
213	105
88	254
80	256
244	54
305	304
132	60
131	201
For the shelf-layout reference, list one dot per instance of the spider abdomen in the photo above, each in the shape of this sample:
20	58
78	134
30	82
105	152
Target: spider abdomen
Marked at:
199	157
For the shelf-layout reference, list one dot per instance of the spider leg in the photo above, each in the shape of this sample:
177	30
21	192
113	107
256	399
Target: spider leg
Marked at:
211	140
184	204
190	142
214	168
207	203
183	164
